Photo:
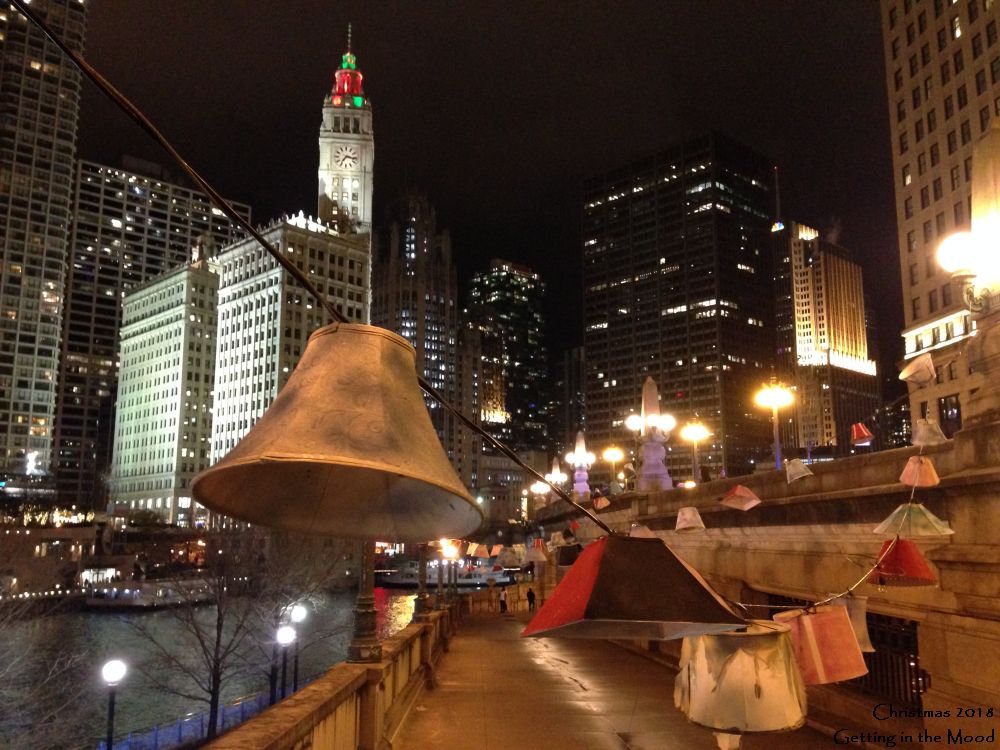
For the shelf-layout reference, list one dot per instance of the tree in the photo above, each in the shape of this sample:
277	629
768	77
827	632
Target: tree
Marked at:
250	577
40	683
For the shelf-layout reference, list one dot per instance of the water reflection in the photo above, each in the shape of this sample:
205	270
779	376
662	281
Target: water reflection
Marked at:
67	708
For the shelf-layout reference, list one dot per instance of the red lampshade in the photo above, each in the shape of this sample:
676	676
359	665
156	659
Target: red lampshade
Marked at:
861	435
902	566
826	647
601	502
631	588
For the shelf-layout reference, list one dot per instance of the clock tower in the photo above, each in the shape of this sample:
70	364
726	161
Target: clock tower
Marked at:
346	150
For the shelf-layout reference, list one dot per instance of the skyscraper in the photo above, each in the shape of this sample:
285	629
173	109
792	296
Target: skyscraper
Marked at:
678	284
129	225
942	62
163	425
822	339
505	305
415	294
39	105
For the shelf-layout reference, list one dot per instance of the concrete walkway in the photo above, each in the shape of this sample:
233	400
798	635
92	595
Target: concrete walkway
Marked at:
497	691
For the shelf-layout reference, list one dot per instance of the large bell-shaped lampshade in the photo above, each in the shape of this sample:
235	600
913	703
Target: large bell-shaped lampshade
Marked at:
741	682
913	519
903	565
740	498
631	588
826	648
346	449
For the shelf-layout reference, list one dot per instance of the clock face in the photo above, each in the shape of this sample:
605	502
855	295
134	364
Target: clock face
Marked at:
346	157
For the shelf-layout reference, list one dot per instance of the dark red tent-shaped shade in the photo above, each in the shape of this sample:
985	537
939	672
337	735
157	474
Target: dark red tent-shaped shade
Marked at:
631	587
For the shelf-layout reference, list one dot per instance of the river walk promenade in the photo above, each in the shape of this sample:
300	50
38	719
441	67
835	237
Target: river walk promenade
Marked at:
498	691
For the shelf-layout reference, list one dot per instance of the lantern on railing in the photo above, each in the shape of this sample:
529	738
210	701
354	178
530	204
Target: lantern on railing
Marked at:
826	648
740	498
861	435
913	519
689	519
742	681
919	472
795	469
536	552
857	612
927	432
920	371
901	564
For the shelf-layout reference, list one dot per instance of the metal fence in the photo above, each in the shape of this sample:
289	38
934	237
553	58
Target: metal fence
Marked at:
193	729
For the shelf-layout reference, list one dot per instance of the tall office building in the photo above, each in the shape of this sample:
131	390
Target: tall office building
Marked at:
129	225
822	340
678	284
505	305
39	105
942	62
415	294
163	421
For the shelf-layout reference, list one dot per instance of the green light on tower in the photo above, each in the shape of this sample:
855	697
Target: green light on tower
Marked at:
359	101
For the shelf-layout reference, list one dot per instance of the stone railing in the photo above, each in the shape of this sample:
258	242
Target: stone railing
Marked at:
352	705
814	537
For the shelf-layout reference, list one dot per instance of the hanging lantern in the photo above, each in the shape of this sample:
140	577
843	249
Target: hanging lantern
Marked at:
601	502
536	552
557	539
495	550
347	449
826	648
509	557
913	519
927	432
631	588
920	371
727	741
481	551
574	525
857	612
902	566
919	472
740	498
642	531
861	435
795	469
689	519
742	681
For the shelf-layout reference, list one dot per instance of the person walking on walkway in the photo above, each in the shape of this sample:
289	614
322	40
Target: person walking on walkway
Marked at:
531	599
503	601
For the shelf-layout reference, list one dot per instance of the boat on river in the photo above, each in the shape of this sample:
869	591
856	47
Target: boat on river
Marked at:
147	595
407	576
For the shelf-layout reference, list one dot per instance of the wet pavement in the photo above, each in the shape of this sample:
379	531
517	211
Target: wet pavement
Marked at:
497	691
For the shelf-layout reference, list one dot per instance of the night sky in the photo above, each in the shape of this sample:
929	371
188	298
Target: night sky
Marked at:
500	110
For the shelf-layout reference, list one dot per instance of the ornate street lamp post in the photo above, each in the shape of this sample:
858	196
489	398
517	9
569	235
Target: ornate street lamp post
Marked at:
581	461
694	433
284	636
364	646
654	428
297	615
774	397
113	673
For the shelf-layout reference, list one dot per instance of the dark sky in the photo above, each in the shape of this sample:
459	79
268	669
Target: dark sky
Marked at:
499	110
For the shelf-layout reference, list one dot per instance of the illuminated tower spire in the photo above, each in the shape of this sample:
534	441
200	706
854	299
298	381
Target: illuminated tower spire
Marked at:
346	149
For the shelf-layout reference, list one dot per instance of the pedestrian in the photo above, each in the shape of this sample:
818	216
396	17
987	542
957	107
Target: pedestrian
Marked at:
531	600
503	601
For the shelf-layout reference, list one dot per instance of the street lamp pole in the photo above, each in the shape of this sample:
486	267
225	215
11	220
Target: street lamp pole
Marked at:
298	615
420	603
364	646
695	432
113	672
774	396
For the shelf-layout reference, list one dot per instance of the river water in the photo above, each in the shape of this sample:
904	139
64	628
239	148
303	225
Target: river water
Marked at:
71	711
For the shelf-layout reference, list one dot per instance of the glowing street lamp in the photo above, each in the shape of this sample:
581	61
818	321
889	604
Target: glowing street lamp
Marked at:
285	636
613	455
297	615
654	427
694	433
774	397
112	673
